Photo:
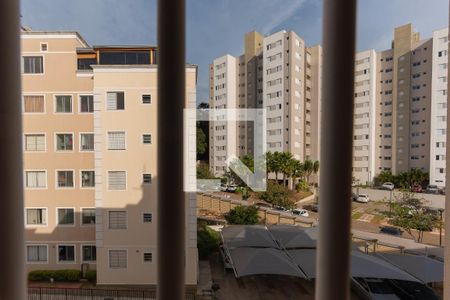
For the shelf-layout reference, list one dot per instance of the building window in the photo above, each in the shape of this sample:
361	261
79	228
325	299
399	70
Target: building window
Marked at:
64	104
65	179
33	104
115	101
117	180
87	142
118	259
116	140
33	65
36	253
88	216
86	104
147	217
146	138
87	179
66	216
66	253
147	178
35	179
64	142
34	142
148	257
36	216
44	47
117	219
146	99
89	253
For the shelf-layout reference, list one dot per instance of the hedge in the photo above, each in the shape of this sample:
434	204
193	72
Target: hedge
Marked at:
57	275
91	275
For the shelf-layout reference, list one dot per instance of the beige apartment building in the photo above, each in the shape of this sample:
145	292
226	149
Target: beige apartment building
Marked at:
90	158
276	72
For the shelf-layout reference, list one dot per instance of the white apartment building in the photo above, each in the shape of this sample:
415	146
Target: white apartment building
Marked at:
439	96
364	132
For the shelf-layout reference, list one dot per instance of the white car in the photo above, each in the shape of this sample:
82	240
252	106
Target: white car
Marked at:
300	212
388	186
363	198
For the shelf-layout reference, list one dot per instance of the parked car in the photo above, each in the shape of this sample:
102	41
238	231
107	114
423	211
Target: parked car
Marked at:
391	230
223	187
354	196
363	198
263	204
389	186
300	212
280	208
232	188
374	288
416	188
443	190
315	208
432	189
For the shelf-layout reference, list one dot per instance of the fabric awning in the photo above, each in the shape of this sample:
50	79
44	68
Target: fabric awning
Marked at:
295	237
247	236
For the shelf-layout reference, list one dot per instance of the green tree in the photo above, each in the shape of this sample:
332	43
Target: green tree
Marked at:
308	167
277	194
384	176
203	172
207	240
201	142
276	163
408	213
243	215
286	165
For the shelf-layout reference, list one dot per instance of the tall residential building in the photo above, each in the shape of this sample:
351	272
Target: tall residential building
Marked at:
90	133
278	73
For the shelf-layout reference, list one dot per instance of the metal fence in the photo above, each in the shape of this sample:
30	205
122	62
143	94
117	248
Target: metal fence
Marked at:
50	293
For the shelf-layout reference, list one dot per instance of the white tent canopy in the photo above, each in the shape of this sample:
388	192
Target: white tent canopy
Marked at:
294	237
362	265
425	268
259	261
247	236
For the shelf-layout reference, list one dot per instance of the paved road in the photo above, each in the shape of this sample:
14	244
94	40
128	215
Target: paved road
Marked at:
431	200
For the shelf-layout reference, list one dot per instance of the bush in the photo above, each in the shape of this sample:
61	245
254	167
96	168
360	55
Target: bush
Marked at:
57	275
91	275
278	195
243	215
302	186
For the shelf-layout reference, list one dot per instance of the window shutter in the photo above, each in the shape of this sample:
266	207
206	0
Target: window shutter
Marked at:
116	140
117	180
118	259
111	101
118	220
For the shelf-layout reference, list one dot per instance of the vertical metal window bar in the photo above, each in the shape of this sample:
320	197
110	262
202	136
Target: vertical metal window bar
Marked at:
171	101
12	285
333	259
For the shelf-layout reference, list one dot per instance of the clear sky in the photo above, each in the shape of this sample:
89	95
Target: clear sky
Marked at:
217	27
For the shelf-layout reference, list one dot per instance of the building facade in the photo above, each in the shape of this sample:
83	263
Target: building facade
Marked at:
278	73
90	133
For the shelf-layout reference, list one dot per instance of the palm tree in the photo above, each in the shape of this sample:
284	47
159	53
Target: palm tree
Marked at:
298	171
269	164
285	165
276	163
316	167
308	167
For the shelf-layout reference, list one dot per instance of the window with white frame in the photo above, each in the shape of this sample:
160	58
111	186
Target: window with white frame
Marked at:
87	179
89	252
65	178
33	104
88	216
33	64
63	104
35	142
148	257
86	103
116	140
87	142
115	101
147	178
36	253
66	253
35	179
66	216
146	99
36	216
64	142
117	219
117	180
44	47
147	138
147	217
118	259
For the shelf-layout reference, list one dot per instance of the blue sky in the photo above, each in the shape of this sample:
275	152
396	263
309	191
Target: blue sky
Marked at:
217	27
